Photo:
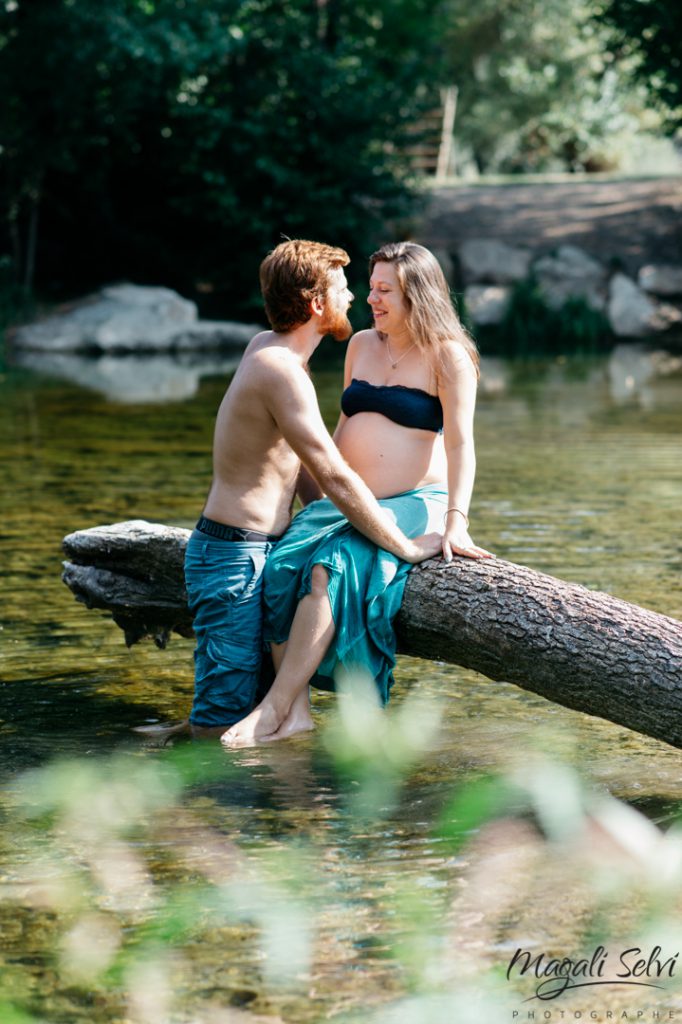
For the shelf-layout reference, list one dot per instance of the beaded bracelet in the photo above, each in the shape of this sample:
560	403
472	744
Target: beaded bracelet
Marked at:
463	514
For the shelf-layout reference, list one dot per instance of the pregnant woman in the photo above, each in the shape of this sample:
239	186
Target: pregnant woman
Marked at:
406	428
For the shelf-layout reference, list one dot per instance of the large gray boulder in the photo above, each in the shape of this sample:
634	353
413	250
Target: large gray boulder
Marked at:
632	314
571	273
130	318
487	304
487	260
661	278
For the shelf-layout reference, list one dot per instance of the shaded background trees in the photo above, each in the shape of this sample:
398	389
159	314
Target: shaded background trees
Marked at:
543	86
651	30
174	142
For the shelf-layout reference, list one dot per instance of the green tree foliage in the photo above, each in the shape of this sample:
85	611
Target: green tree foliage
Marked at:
173	141
652	29
539	85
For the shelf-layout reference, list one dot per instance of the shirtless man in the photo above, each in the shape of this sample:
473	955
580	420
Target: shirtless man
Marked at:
269	436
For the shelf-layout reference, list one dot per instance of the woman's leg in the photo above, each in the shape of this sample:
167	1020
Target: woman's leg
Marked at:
284	709
299	718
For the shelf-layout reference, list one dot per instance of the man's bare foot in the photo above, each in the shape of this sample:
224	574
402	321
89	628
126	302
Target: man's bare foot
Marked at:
206	732
164	730
263	721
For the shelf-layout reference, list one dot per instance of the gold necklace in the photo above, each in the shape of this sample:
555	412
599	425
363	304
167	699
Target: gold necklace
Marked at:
394	362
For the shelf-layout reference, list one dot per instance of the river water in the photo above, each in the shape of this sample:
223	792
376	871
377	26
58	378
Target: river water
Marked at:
579	476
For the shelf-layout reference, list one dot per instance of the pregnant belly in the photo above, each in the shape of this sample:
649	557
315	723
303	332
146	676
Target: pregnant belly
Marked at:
390	458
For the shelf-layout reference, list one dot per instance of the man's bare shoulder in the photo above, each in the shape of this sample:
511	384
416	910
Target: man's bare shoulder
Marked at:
259	342
272	362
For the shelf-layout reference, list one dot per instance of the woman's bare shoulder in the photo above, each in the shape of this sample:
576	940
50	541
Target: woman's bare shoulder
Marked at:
361	344
456	362
367	336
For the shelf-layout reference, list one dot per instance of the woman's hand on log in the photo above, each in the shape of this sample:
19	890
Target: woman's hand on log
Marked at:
456	541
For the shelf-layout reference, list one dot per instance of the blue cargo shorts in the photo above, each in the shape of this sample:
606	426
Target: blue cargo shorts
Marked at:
224	581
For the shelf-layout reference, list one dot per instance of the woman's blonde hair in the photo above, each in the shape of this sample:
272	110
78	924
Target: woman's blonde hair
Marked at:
431	318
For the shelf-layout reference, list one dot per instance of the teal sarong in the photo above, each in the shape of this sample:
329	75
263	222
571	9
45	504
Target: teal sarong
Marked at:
366	583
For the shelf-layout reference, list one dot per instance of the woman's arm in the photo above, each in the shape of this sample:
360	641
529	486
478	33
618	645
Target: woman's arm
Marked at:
457	393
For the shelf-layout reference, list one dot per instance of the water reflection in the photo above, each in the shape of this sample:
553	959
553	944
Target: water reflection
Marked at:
173	376
633	372
494	375
632	369
166	377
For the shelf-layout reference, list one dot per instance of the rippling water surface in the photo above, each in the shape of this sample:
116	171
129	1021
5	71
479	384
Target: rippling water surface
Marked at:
579	475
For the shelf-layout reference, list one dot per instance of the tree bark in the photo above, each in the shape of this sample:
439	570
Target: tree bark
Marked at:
32	240
580	648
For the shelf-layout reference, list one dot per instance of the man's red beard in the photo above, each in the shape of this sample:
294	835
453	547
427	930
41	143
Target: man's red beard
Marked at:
336	323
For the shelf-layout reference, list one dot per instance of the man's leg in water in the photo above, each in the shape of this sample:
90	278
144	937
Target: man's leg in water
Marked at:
284	710
162	731
224	585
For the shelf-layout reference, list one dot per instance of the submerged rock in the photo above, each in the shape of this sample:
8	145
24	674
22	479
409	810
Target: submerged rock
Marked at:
130	318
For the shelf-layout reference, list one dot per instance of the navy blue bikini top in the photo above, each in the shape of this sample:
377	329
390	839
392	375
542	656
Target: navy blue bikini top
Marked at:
410	407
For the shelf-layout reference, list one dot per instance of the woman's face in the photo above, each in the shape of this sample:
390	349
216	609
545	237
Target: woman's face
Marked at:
386	299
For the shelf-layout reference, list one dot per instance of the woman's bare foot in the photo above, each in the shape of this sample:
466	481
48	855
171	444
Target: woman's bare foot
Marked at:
263	721
296	721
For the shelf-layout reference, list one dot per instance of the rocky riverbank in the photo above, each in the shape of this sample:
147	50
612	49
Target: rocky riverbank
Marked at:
617	246
607	254
126	318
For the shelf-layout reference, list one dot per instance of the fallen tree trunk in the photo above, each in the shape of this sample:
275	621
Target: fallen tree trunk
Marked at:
580	648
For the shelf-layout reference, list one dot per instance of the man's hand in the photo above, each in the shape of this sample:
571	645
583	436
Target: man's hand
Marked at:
426	546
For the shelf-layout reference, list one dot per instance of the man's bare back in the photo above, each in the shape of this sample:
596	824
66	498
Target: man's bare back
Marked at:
254	468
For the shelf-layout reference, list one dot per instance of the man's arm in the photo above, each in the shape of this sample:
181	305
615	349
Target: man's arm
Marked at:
307	487
293	404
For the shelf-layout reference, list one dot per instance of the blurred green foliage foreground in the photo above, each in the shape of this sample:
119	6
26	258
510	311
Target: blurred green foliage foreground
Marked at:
174	142
126	896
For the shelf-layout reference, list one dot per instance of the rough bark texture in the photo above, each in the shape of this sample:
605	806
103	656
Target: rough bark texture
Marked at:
135	571
580	648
